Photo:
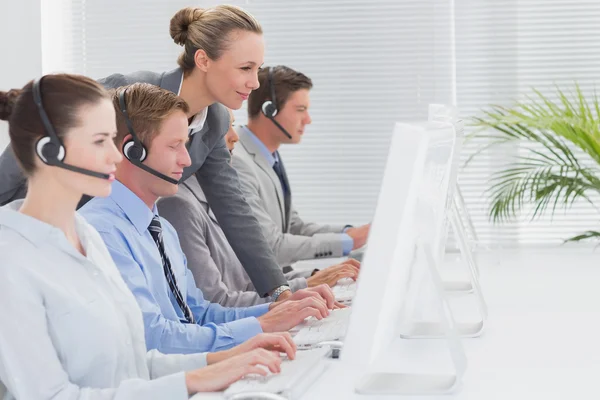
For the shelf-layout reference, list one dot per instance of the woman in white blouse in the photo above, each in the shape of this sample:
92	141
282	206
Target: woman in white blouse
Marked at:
69	326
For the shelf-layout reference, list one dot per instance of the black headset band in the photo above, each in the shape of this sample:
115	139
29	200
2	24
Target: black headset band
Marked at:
272	86
123	107
37	99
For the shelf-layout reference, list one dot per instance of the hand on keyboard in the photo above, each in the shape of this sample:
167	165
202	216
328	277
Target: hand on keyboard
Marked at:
331	275
321	292
288	314
281	342
222	374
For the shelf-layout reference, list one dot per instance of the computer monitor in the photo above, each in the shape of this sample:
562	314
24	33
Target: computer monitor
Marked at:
407	233
462	229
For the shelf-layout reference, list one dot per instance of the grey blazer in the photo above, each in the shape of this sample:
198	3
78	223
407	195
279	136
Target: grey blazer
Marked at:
210	164
289	236
216	269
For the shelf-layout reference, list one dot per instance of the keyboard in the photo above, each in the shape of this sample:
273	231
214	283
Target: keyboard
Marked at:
295	377
312	331
344	290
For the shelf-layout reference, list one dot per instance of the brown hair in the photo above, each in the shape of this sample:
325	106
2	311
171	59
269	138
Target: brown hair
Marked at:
63	95
286	82
147	107
209	30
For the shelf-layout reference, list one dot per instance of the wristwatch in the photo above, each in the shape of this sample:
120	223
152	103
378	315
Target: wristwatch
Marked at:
278	292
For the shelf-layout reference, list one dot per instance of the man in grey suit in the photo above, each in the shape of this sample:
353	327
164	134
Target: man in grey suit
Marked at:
215	266
278	114
211	166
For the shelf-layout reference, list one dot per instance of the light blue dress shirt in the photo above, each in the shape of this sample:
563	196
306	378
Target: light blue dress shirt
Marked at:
347	241
122	219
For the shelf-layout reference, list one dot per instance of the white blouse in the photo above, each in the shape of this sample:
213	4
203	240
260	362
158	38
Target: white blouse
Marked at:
69	326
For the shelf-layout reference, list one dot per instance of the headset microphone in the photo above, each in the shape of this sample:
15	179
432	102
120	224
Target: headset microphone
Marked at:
269	107
133	149
50	148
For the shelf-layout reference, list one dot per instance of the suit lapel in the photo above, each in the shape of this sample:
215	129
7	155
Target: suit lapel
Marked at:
260	160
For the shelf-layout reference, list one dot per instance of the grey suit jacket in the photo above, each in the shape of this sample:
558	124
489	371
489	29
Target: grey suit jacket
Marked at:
210	164
216	269
261	186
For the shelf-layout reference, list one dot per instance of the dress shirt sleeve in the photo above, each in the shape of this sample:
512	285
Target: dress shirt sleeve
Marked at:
165	335
29	364
161	365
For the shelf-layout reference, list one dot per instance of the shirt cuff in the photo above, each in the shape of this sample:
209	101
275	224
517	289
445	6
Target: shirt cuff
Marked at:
347	244
191	362
257	311
245	328
168	387
298	284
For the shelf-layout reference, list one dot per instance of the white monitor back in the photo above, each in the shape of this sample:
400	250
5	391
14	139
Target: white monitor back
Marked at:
410	210
410	216
378	301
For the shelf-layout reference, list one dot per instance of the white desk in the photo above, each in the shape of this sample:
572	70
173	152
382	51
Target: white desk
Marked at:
542	340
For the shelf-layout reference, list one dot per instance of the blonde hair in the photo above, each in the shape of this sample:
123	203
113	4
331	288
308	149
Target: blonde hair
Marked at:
209	30
147	107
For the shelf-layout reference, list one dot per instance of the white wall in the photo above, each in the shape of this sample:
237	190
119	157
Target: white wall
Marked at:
21	52
20	48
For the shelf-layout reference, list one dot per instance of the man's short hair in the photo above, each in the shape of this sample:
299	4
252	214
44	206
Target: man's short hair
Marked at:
286	82
147	107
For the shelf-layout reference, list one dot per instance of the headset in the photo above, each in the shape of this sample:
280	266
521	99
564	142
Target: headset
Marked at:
133	149
50	148
269	107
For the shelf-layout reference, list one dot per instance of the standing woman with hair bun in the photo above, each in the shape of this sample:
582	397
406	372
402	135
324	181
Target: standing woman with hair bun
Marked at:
223	51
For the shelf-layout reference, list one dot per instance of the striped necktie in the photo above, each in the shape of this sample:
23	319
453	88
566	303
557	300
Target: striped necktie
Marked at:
156	231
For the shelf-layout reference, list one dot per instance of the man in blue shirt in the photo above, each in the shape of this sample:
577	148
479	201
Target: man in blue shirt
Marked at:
152	133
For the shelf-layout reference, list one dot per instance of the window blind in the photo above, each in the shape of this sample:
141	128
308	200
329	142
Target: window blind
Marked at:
373	63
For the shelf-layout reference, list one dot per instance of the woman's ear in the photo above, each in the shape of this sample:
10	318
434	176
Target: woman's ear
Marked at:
201	60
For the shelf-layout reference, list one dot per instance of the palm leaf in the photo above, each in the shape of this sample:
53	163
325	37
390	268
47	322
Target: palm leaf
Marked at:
561	137
542	181
584	236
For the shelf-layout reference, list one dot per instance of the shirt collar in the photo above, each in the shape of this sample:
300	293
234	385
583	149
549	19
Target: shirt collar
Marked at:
134	208
198	121
270	157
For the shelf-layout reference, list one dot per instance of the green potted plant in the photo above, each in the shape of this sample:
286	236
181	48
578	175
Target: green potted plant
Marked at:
559	154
